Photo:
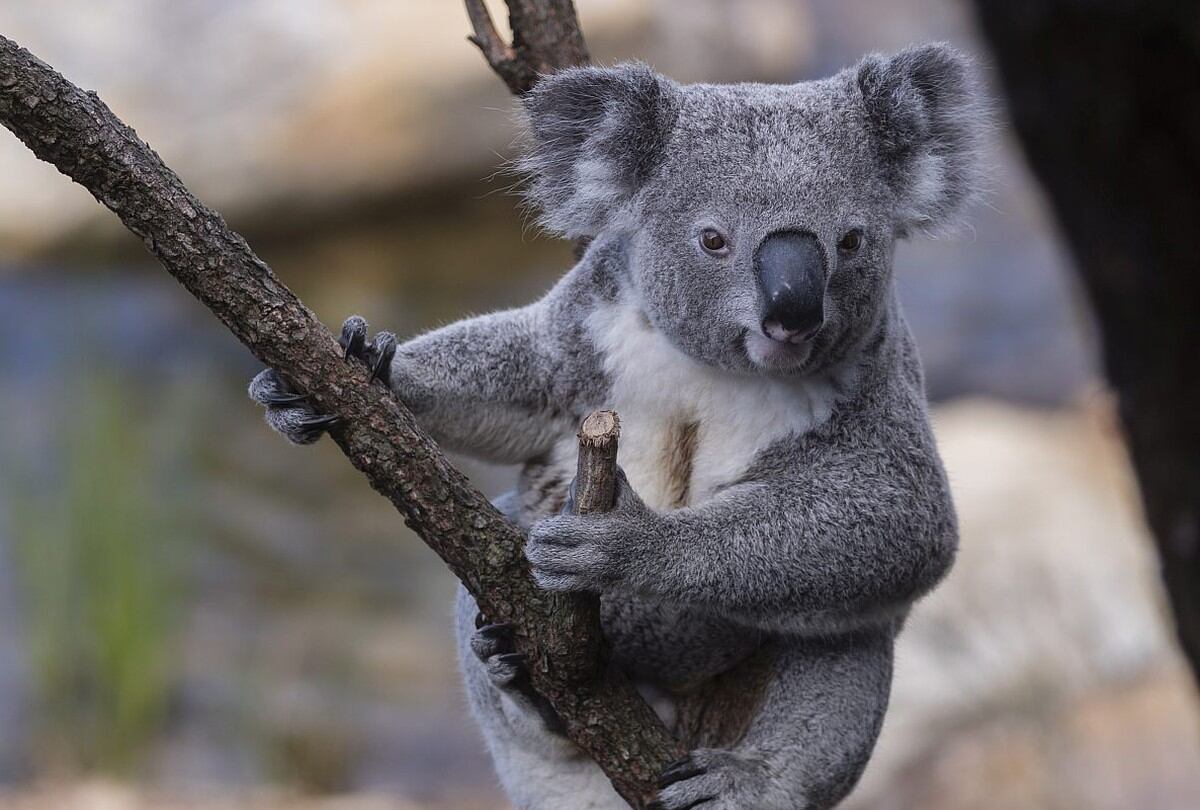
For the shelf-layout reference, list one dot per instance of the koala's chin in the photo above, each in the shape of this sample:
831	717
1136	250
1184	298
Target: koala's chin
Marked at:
775	357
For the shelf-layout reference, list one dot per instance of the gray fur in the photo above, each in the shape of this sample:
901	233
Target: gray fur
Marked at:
817	511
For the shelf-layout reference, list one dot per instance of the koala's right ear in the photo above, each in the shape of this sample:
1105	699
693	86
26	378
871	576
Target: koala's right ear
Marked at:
596	135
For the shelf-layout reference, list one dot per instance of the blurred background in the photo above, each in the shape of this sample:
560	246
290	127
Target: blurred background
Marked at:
194	614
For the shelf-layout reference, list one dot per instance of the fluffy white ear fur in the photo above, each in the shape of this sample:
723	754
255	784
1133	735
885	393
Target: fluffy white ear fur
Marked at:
928	119
595	135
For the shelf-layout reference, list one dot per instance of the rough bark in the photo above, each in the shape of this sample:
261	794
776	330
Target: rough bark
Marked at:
76	132
596	473
546	37
1106	101
577	620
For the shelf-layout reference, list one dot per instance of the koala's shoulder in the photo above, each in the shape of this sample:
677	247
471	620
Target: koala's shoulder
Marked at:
595	281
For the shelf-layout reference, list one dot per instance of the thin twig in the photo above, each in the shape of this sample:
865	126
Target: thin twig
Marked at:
486	37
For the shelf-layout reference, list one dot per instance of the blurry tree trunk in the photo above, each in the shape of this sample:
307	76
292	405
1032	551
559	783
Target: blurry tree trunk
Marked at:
76	132
1105	96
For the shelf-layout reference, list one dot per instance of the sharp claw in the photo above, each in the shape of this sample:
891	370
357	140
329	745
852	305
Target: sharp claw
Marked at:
383	347
322	422
520	659
480	620
678	771
312	427
496	630
354	336
283	399
377	369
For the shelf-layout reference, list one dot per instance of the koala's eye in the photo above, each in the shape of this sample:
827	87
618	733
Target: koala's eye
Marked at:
712	240
851	242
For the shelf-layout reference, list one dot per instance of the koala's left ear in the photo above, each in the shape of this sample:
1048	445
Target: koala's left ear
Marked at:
596	135
928	118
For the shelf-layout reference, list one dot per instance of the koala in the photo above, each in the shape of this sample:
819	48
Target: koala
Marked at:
781	498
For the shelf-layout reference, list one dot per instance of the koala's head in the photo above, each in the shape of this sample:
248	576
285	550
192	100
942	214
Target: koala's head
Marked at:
760	220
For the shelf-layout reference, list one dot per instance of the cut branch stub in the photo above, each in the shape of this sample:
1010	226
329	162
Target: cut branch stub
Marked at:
596	475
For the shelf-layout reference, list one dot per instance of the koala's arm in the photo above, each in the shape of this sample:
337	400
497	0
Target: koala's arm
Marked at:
501	386
834	536
825	533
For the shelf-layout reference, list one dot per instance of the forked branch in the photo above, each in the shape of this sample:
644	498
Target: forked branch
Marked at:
546	37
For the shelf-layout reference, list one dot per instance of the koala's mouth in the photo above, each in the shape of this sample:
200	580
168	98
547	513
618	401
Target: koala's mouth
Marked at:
774	355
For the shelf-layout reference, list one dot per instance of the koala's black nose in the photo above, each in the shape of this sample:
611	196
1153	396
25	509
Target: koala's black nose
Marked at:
791	271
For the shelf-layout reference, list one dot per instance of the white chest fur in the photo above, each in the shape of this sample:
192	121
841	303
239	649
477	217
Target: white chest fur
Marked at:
686	428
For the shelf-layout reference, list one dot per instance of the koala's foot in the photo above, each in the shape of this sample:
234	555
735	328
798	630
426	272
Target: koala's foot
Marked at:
291	414
507	669
717	780
288	412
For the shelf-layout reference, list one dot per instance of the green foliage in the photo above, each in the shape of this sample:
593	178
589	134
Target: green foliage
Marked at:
98	567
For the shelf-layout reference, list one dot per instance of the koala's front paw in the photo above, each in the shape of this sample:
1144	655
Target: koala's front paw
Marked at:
288	412
570	552
377	353
507	669
717	780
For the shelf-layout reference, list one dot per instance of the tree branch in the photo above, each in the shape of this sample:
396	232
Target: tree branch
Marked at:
546	37
77	133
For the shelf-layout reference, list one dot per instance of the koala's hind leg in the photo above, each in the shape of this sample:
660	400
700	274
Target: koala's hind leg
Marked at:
809	741
291	414
539	768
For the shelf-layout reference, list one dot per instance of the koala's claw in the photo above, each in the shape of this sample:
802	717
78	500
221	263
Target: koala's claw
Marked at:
677	771
301	425
354	336
283	399
288	412
711	778
268	388
491	640
508	670
383	349
376	354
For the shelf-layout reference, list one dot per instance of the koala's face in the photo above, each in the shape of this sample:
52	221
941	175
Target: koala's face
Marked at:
760	219
764	241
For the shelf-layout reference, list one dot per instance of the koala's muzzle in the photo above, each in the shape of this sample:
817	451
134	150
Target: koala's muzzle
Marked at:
791	271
